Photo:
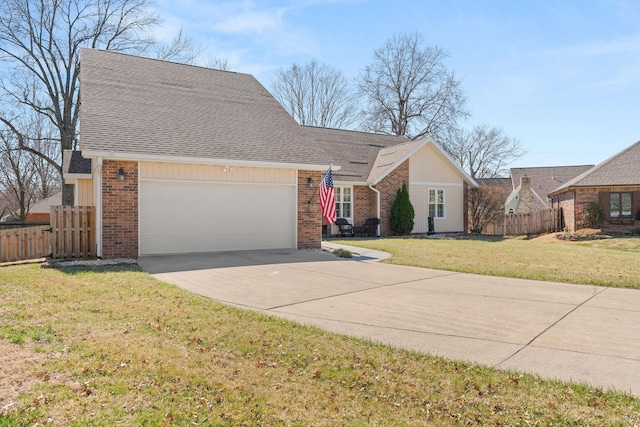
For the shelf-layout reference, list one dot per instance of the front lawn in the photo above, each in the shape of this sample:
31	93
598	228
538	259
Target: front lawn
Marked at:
114	346
613	262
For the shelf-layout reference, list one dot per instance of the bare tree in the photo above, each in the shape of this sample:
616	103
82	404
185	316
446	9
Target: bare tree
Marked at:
484	151
316	94
486	205
218	63
408	89
40	43
17	173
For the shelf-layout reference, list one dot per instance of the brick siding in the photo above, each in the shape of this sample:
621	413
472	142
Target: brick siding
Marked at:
119	210
575	206
388	188
309	212
566	202
365	204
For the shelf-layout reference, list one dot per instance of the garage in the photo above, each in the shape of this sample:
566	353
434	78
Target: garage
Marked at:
241	210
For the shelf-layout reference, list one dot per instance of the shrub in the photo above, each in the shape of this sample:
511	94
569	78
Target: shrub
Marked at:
343	253
593	215
402	213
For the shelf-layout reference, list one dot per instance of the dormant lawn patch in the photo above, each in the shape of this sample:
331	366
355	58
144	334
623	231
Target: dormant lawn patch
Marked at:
114	346
612	262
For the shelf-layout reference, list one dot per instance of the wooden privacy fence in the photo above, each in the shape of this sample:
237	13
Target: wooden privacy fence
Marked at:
541	221
73	232
25	243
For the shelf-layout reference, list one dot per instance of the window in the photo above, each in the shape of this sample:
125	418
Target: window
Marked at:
620	205
436	203
343	201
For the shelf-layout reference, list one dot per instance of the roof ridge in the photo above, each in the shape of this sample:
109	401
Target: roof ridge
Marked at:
163	61
355	131
595	168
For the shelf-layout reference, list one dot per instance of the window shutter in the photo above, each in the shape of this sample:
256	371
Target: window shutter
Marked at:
636	204
604	203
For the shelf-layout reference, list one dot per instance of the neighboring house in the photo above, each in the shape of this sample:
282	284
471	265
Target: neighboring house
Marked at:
613	186
527	189
41	211
189	159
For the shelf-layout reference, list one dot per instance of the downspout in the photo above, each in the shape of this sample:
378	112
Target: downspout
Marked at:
98	204
377	206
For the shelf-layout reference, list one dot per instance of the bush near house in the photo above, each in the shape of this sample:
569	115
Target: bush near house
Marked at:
402	213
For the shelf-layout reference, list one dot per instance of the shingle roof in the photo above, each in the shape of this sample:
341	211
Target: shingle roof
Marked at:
622	168
390	157
44	205
503	184
547	178
74	163
147	107
355	152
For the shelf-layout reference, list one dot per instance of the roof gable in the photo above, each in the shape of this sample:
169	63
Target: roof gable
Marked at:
355	152
73	164
622	168
44	205
146	107
545	179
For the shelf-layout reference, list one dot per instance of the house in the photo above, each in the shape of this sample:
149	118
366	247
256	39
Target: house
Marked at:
606	195
526	190
373	167
189	159
41	211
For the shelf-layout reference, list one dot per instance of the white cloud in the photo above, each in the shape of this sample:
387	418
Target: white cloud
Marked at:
253	22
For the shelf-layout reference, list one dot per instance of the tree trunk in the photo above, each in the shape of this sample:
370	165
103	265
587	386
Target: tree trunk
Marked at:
67	194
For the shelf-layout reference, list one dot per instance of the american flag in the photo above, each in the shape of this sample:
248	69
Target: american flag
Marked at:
327	200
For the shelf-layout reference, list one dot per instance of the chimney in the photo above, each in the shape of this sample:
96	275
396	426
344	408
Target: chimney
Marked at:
526	196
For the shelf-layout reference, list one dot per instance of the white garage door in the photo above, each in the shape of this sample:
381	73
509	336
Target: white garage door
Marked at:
182	217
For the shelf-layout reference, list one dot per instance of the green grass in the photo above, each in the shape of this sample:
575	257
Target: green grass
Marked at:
614	262
114	346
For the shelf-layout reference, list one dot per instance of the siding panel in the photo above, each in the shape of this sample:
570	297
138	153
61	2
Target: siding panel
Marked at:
185	172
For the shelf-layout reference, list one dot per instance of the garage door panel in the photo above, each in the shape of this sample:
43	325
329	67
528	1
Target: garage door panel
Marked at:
179	217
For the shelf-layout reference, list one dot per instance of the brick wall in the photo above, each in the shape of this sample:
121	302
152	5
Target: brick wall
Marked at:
565	201
575	207
587	196
309	212
388	188
119	210
365	204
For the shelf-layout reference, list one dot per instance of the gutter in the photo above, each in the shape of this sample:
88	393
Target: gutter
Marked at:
377	205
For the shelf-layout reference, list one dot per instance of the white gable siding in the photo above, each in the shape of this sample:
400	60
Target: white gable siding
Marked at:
428	169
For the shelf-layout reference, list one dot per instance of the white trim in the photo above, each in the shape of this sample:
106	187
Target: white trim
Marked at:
444	202
465	176
345	183
434	184
378	207
110	155
352	202
72	176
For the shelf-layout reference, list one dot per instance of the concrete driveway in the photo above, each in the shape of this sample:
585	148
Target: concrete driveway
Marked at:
571	332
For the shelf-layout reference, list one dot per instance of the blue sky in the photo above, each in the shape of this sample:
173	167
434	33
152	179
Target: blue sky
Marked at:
563	76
